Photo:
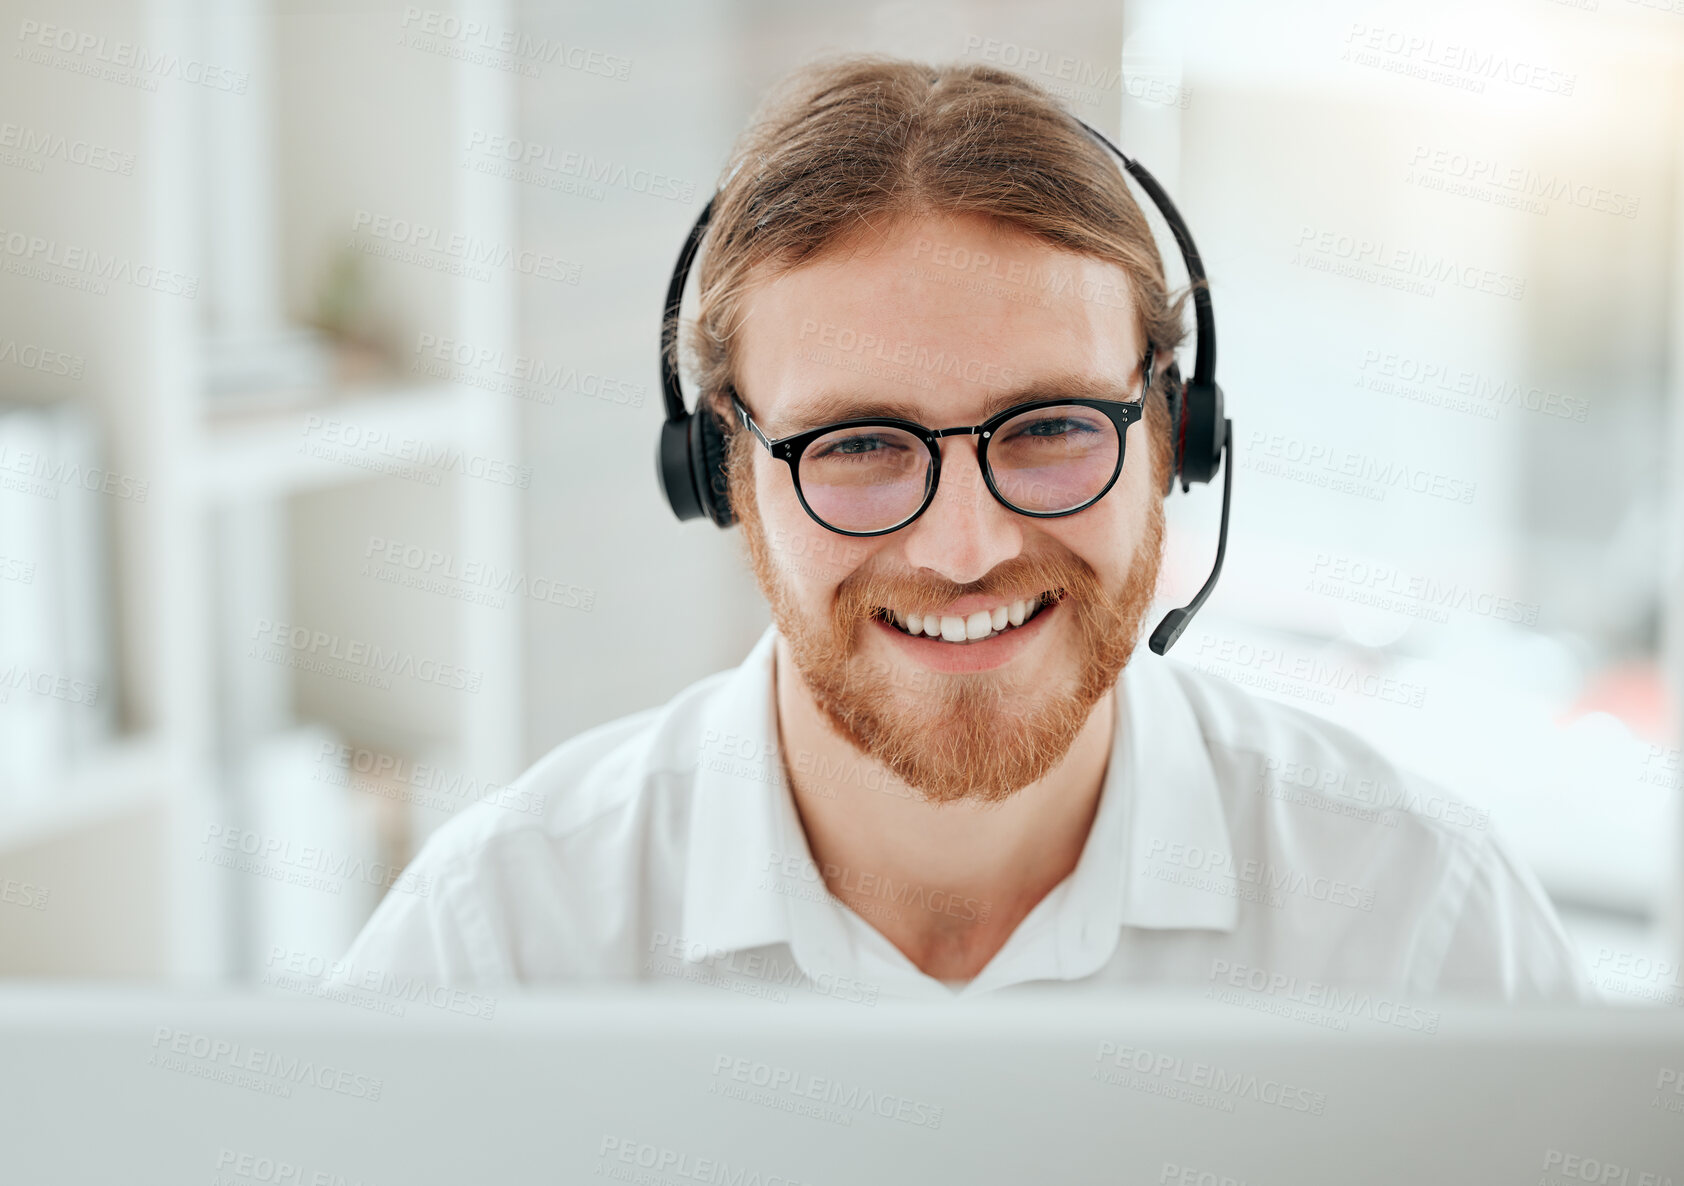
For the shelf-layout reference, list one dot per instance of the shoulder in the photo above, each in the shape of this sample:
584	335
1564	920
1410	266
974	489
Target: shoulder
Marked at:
1439	893
544	879
587	781
1273	755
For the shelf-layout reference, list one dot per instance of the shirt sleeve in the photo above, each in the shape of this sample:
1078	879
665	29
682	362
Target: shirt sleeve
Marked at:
409	937
1506	941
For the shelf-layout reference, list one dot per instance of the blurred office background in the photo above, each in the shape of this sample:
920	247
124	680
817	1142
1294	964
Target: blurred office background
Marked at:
328	401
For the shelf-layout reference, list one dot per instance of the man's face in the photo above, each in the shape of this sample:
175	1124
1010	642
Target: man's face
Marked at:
907	323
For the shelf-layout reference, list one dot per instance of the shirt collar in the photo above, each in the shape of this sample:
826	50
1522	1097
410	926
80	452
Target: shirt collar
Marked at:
750	879
1176	806
737	832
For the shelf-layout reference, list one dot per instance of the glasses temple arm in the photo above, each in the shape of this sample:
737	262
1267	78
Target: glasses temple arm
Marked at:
747	421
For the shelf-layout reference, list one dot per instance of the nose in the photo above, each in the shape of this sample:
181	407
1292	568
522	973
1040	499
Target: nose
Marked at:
965	532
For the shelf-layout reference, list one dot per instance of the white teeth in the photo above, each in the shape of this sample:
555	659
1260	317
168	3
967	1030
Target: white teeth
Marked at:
981	624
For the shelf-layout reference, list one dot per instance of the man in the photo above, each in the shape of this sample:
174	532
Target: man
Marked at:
947	769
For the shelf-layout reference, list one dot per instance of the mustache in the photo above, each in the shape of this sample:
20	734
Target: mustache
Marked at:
863	593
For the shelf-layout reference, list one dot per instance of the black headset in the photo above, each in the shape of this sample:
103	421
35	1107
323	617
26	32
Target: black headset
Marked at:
690	458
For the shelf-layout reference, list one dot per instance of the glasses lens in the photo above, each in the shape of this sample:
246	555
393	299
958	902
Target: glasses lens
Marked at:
1054	459
865	479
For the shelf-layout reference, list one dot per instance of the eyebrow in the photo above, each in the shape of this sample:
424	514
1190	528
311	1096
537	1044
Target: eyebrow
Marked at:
833	407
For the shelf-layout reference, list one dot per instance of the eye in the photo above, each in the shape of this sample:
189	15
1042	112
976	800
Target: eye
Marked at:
1047	428
852	445
1050	426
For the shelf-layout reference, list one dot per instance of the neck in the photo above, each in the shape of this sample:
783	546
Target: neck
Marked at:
946	884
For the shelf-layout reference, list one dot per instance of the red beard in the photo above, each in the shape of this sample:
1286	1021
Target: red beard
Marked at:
976	736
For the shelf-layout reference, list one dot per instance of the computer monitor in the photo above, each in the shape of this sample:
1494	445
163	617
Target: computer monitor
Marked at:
699	1086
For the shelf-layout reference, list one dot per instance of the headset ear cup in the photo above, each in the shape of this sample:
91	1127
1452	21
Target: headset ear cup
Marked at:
1175	401
676	469
709	449
1202	455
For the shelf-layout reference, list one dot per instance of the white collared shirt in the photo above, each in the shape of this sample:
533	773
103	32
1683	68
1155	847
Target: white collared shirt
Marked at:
1240	846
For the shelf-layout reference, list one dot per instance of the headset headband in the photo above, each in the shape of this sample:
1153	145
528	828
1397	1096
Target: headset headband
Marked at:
1204	355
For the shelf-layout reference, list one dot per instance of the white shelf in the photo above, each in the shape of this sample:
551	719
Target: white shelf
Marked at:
228	191
118	779
305	447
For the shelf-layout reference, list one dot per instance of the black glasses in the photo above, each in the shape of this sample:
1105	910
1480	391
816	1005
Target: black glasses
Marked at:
870	476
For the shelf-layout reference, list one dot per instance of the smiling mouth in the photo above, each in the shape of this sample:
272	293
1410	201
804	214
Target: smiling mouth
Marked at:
962	629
